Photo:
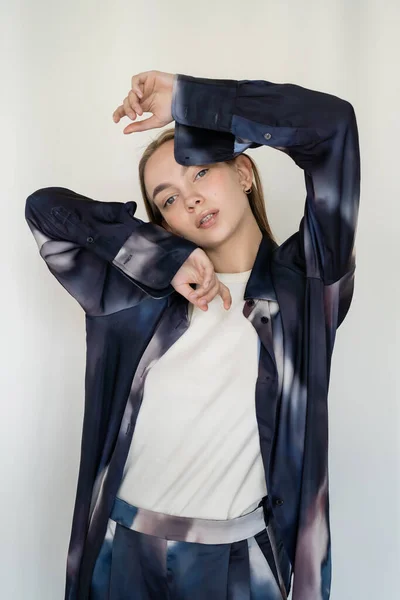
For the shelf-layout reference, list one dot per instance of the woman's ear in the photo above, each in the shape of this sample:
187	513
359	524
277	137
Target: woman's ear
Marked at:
244	169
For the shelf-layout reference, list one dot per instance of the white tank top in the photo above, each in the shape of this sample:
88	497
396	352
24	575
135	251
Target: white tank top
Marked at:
195	450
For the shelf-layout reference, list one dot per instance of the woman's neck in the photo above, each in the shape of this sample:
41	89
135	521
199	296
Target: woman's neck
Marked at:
237	253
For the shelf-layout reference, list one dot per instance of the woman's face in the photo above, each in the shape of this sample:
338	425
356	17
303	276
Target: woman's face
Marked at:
189	191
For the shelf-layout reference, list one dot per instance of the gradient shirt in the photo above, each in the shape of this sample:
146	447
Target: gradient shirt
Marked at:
120	268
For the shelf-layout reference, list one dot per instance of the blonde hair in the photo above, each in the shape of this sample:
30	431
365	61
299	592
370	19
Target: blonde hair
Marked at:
256	196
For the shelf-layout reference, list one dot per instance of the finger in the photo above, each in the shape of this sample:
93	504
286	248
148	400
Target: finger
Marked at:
138	81
137	90
210	295
119	113
220	289
209	280
225	294
209	274
185	290
129	110
150	123
202	291
134	102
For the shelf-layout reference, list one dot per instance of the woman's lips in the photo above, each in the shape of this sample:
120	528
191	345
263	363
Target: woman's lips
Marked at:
209	222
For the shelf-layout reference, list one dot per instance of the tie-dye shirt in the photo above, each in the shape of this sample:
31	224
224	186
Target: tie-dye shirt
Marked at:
119	268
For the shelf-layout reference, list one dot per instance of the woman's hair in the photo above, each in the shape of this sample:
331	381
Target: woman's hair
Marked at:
256	196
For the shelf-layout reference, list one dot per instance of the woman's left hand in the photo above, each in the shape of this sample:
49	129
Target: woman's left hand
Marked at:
151	91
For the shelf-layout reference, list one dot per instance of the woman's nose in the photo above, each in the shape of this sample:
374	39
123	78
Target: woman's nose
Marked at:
192	202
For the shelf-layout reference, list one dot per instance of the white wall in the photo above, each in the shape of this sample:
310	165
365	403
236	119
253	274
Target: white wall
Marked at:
66	66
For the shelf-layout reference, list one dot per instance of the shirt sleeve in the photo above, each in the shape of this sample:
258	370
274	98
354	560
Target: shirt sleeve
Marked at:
217	119
106	258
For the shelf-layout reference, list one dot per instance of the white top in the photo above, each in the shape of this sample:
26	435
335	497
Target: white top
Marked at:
195	450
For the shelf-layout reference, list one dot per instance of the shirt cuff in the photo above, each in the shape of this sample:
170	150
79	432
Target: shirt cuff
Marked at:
153	256
203	109
204	102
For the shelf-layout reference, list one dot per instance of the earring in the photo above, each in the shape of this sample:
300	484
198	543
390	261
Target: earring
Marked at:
247	191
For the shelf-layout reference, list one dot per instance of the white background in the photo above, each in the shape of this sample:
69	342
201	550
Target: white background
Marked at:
65	68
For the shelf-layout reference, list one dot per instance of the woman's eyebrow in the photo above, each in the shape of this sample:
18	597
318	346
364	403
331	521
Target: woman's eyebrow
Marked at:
162	186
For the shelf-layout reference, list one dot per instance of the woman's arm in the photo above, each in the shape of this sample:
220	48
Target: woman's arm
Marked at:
217	119
106	258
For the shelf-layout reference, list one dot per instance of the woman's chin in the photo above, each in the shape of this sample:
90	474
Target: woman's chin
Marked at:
213	239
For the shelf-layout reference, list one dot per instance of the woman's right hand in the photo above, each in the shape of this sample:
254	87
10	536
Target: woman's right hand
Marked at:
199	269
151	91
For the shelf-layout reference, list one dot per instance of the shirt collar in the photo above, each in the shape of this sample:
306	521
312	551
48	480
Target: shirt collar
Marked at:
259	284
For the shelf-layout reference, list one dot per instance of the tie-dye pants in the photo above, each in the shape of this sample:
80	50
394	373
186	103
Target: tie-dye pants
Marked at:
148	555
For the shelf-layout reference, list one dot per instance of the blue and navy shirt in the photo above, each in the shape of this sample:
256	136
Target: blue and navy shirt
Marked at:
119	268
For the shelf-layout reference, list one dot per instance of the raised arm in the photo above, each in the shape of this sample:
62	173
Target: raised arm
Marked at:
106	258
217	119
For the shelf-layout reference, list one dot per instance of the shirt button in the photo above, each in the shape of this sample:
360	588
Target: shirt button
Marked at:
89	239
264	319
267	136
250	302
278	501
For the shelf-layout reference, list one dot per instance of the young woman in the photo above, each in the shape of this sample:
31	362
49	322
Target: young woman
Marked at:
203	470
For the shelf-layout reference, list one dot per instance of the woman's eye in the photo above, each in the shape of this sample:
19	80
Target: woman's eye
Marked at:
166	203
201	172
